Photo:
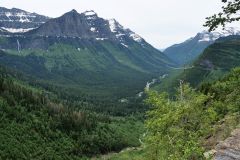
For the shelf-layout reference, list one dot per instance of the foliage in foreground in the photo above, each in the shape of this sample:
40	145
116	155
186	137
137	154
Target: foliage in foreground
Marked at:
179	129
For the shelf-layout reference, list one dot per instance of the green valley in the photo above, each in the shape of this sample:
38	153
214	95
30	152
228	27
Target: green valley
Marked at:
78	86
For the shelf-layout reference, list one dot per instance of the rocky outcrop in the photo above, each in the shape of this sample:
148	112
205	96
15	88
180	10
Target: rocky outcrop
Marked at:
230	148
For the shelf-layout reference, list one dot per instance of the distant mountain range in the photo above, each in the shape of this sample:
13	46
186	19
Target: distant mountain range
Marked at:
190	49
80	51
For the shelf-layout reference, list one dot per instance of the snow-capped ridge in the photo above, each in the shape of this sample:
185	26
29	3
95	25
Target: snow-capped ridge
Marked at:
90	13
136	37
93	29
114	25
206	36
120	31
74	11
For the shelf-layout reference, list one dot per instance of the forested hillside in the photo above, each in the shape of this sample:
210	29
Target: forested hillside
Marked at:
36	124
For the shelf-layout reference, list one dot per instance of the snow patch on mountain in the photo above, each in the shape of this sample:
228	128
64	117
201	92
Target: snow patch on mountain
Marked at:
23	17
136	37
124	45
120	35
206	36
17	30
90	13
101	39
120	31
113	25
19	16
93	29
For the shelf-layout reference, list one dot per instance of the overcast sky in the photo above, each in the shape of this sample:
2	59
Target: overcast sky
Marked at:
160	22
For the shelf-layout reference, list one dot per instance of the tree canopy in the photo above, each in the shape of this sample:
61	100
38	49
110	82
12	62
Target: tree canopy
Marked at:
193	122
229	13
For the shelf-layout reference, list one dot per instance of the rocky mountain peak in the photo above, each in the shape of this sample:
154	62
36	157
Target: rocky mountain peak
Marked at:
87	25
74	11
88	15
71	13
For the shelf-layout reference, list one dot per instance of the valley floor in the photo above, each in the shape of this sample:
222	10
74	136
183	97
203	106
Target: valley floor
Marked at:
126	154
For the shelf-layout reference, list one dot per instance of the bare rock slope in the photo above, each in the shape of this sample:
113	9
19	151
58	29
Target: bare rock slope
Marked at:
230	148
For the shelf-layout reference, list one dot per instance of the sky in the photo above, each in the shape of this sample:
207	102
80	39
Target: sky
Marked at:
160	22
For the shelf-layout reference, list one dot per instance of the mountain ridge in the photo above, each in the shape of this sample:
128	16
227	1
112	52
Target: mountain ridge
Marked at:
92	26
187	51
16	20
216	60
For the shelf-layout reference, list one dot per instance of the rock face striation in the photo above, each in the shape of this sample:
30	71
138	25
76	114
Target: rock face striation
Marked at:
16	20
230	148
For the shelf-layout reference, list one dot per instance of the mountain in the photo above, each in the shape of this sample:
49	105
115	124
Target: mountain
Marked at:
85	53
190	49
87	25
218	59
17	20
